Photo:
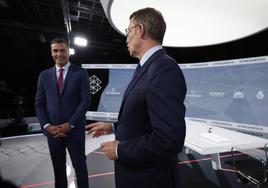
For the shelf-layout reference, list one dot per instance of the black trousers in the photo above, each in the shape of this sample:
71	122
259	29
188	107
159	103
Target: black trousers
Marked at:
75	144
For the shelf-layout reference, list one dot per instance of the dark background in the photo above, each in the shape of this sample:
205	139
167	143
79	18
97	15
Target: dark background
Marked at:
27	26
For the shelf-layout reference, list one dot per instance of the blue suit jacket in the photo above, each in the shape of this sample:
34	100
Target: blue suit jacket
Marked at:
151	125
71	105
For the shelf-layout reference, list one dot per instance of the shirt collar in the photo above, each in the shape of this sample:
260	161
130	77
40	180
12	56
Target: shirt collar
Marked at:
149	53
65	67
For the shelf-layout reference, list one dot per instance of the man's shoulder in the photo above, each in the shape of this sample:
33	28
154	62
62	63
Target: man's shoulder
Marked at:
166	60
163	62
47	71
76	67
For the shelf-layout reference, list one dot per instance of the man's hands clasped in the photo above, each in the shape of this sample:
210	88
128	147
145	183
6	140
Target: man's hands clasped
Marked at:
59	131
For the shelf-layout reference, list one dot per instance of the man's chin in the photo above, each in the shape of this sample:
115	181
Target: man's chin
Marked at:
61	63
131	53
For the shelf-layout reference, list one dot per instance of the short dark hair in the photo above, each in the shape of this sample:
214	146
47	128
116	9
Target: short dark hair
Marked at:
59	40
153	22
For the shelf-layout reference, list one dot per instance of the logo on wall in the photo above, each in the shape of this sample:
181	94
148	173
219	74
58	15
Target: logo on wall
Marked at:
194	93
113	91
216	94
260	95
238	95
94	83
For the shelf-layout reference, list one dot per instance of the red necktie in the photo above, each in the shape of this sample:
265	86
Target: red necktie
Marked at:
60	80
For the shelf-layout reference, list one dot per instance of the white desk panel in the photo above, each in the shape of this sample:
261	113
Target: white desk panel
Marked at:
206	139
203	138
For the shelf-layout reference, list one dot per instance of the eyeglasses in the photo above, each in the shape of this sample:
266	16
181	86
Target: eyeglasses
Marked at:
128	30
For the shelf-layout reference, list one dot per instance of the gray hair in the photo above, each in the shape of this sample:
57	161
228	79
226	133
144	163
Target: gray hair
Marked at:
153	22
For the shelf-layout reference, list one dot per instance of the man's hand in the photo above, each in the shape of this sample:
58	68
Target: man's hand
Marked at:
63	130
99	128
109	149
60	135
53	130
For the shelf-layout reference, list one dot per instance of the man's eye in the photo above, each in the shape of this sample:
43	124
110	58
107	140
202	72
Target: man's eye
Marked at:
62	51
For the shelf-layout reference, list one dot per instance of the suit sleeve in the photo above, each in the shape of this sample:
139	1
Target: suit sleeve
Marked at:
164	99
85	99
40	102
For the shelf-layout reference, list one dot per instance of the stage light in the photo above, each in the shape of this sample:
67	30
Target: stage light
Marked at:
72	51
196	22
80	41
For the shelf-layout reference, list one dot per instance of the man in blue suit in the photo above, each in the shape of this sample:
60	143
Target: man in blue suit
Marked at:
150	131
62	99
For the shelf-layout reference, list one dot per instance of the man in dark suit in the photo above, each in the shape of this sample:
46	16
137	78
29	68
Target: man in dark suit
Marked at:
150	131
62	99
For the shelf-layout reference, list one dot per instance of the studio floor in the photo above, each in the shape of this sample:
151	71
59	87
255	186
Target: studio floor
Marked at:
25	161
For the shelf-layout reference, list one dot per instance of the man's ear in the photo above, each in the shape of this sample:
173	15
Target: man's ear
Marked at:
142	31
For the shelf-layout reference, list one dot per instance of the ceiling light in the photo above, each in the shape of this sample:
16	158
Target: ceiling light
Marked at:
72	51
196	22
80	41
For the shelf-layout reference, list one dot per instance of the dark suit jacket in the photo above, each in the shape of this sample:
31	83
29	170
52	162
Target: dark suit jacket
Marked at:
151	126
71	105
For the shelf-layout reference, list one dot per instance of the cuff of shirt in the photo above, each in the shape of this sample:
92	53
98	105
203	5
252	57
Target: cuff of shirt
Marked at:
46	125
116	154
113	127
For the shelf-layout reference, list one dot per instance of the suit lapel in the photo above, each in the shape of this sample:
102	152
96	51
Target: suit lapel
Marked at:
133	82
138	75
53	77
69	73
